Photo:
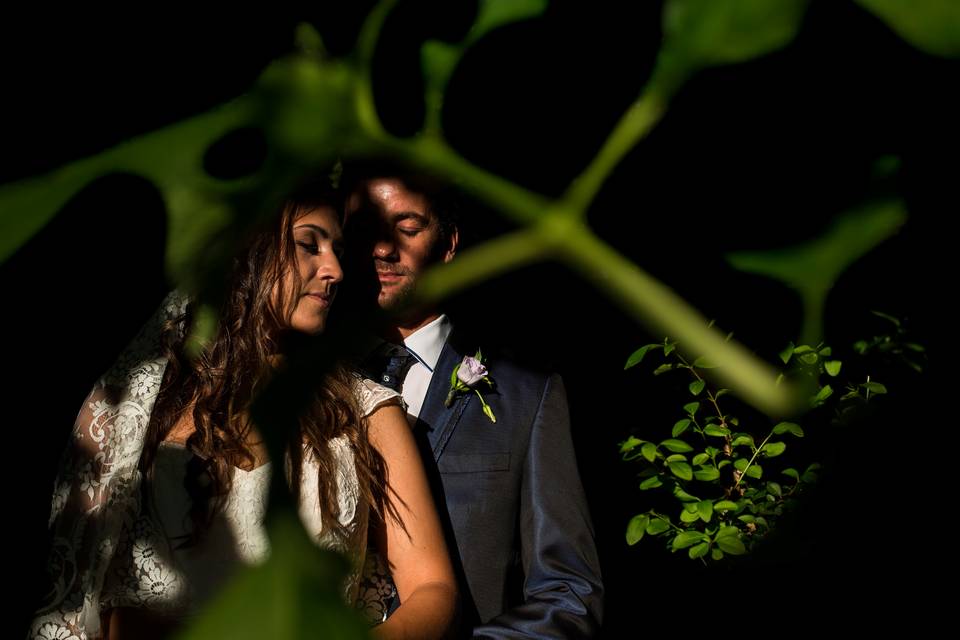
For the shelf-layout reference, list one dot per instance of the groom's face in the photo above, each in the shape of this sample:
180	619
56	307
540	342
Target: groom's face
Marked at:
393	227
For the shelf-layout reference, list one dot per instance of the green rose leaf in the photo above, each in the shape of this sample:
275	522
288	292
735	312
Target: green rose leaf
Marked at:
651	483
725	505
698	551
716	554
676	457
637	356
700	458
691	408
732	545
677	446
649	451
681	469
788	427
754	471
686	539
716	430
705	510
680	427
657	525
773	449
792	473
636	528
833	367
743	440
662	369
696	387
932	26
629	444
706	474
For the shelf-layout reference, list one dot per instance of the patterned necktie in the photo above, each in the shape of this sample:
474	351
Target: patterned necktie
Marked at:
391	368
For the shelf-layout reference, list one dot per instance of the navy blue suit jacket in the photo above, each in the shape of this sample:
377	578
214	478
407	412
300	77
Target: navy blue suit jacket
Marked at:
512	504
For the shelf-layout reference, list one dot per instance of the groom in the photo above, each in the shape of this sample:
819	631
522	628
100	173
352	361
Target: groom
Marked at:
508	491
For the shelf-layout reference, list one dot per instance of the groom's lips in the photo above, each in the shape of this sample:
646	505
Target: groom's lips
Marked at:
388	277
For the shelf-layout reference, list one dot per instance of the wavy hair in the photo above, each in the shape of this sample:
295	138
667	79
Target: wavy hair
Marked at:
216	389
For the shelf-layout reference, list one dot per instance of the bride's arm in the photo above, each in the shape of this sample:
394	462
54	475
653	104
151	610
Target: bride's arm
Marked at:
418	556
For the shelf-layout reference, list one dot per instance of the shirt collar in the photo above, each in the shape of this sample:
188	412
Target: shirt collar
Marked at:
427	342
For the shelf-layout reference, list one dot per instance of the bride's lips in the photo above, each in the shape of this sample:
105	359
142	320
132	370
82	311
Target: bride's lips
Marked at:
324	299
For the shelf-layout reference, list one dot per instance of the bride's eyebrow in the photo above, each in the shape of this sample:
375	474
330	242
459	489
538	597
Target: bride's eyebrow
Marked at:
324	233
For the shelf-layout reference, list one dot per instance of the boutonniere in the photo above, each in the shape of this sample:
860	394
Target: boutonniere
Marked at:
468	373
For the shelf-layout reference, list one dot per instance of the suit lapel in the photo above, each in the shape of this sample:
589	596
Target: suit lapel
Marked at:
438	420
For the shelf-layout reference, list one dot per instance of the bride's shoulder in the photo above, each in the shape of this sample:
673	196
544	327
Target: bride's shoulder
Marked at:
372	395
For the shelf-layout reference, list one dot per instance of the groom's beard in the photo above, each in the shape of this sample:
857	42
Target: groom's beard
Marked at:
395	297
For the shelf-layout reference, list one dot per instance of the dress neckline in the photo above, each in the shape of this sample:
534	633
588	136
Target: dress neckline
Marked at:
182	447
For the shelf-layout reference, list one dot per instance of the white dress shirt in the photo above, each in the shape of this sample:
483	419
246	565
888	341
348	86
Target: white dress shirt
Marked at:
425	344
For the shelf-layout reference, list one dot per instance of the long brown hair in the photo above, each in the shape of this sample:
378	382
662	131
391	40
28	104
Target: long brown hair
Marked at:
218	387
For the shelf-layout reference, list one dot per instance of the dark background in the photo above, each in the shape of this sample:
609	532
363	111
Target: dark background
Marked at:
756	155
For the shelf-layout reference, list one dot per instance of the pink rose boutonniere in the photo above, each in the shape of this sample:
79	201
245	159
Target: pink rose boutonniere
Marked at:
468	373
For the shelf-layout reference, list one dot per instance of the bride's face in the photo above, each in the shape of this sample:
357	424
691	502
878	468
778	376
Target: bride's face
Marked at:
318	241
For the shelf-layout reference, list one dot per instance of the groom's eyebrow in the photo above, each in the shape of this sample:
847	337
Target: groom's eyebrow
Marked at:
411	215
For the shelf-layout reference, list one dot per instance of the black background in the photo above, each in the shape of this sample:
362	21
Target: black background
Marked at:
756	155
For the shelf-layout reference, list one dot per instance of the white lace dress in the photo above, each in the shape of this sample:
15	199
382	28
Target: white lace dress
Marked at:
109	551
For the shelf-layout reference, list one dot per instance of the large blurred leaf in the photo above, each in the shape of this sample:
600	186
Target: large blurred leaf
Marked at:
812	268
932	26
297	593
713	32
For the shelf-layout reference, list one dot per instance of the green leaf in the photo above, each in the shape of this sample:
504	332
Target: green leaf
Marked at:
813	267
706	474
773	449
637	356
788	427
651	483
705	510
677	446
649	451
728	530
681	469
679	427
716	554
732	545
932	26
636	528
668	348
809	477
833	367
716	430
787	353
696	387
791	472
700	458
711	451
629	444
691	408
743	440
295	589
676	457
662	369
825	351
703	363
689	516
686	539
825	392
809	358
682	495
747	518
722	464
875	387
754	471
775	489
657	526
725	505
803	348
698	551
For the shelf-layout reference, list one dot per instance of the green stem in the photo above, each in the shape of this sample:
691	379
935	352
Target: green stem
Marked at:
662	311
752	458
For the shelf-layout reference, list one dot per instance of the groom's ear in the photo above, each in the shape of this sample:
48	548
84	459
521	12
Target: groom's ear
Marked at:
453	241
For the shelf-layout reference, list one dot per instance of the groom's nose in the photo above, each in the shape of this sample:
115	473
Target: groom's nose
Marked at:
384	248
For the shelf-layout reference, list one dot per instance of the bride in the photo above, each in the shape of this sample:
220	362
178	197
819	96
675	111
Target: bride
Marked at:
162	489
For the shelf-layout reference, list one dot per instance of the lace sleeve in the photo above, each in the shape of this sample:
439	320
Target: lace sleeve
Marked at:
97	485
372	395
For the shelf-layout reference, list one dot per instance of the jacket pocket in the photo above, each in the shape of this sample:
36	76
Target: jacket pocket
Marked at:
473	462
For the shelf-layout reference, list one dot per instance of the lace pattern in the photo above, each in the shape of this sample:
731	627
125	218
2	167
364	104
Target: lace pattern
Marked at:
107	551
